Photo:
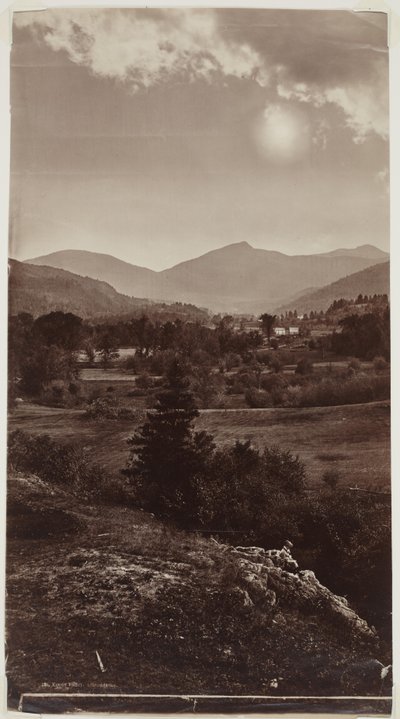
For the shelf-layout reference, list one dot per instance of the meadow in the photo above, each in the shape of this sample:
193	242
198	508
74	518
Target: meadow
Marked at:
352	439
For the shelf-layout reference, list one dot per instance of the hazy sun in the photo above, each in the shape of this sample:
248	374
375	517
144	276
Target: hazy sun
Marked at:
283	134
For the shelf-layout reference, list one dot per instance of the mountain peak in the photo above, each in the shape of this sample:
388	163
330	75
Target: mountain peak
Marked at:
235	246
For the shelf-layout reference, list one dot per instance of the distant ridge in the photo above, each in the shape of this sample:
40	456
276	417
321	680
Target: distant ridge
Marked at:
372	280
234	278
368	251
41	289
125	278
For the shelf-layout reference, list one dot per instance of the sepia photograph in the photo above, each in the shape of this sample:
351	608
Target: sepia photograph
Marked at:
199	464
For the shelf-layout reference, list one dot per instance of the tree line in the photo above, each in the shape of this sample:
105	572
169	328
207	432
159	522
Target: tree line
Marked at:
45	349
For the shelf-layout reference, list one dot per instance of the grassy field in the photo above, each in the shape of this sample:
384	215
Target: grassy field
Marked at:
352	439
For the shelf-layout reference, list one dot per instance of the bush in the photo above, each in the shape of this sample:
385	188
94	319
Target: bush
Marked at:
304	366
65	465
160	362
133	363
331	478
354	390
354	364
380	364
42	456
258	398
103	408
275	364
250	494
348	534
232	360
144	381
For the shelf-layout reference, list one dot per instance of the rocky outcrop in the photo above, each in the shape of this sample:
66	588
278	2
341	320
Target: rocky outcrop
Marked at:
274	575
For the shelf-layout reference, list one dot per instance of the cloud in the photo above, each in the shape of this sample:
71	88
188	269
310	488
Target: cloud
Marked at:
146	48
364	104
314	58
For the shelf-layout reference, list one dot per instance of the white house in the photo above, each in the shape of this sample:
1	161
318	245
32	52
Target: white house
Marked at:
293	330
279	331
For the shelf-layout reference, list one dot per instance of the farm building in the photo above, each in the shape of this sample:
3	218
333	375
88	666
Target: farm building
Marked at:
251	326
279	331
293	330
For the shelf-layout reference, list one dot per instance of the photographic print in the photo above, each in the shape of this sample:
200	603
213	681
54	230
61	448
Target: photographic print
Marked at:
199	490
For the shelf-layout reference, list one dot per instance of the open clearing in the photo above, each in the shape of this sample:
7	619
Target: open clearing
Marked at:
352	439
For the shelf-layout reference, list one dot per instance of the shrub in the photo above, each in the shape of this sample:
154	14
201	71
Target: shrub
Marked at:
103	408
304	366
354	390
271	382
275	364
160	362
380	364
74	388
264	357
66	465
292	396
232	360
349	537
258	398
132	363
354	364
44	457
250	493
144	381
331	478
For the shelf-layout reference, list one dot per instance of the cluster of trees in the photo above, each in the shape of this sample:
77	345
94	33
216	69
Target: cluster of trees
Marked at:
43	350
364	336
375	299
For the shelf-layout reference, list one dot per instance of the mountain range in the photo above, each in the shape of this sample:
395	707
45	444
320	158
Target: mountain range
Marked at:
234	278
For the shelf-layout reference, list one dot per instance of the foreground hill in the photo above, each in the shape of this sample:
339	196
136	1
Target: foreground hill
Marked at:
237	277
372	280
122	603
39	289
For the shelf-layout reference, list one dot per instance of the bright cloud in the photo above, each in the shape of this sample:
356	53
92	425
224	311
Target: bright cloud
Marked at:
365	106
146	49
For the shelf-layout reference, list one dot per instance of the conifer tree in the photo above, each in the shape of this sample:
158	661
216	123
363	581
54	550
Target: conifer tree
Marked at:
167	455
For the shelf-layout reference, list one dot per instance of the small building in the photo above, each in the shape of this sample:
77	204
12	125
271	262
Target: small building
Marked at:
279	331
293	330
251	326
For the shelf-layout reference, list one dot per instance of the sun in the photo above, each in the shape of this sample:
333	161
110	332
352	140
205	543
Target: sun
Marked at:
283	134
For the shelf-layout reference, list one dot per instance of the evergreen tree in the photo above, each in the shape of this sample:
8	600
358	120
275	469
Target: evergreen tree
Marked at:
167	455
268	322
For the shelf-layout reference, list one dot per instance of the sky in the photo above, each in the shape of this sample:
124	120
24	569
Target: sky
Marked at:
158	135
